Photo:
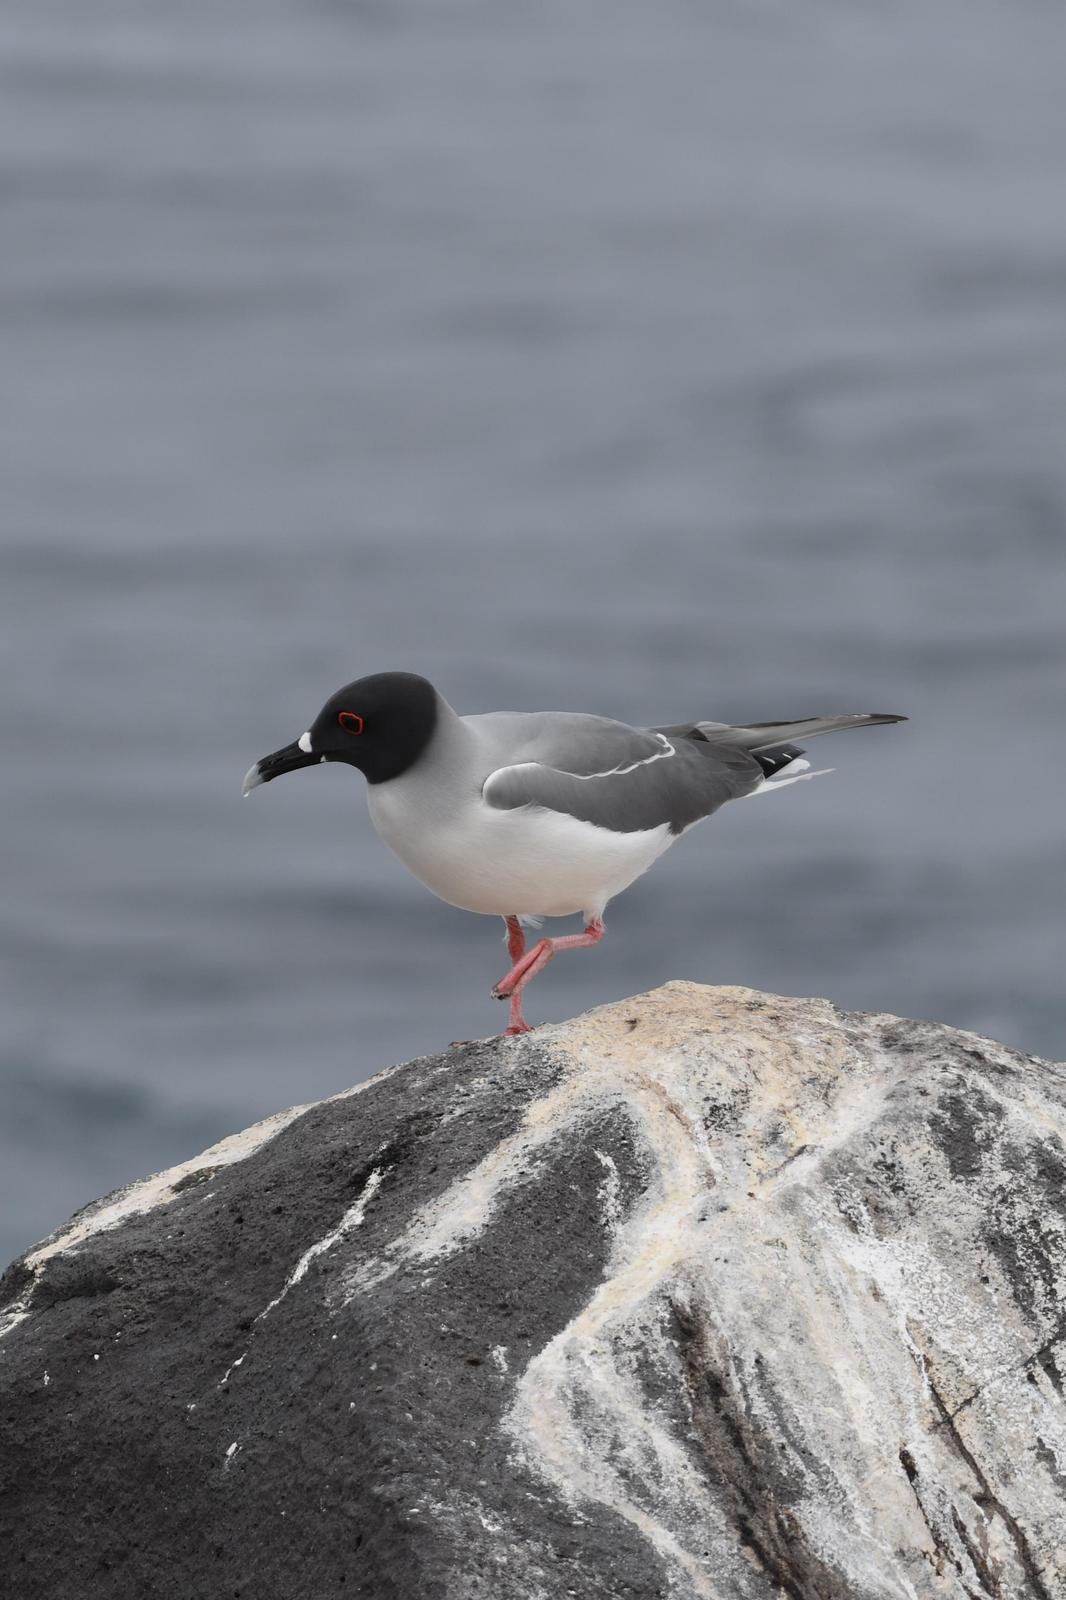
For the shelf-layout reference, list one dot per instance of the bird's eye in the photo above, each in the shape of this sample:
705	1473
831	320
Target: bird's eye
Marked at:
351	721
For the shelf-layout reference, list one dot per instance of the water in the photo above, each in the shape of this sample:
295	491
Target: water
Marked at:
661	361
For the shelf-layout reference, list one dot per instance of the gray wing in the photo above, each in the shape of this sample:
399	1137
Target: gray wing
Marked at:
625	779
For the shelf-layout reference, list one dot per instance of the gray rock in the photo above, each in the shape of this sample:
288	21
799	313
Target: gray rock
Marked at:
706	1294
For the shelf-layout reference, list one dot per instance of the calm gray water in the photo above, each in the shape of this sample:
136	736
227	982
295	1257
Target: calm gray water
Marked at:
661	360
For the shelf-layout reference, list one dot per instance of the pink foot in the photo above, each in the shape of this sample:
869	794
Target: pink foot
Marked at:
527	965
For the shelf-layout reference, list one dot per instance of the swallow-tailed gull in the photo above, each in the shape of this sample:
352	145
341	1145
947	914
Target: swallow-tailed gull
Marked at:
531	814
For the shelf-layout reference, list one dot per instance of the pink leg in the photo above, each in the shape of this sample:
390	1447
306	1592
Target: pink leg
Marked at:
516	949
526	967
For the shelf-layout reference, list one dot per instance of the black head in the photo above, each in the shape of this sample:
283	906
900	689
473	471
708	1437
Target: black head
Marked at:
380	724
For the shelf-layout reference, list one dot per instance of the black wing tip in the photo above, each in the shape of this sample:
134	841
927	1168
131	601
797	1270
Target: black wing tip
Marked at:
777	758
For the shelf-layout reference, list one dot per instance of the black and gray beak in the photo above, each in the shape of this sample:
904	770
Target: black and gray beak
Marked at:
290	759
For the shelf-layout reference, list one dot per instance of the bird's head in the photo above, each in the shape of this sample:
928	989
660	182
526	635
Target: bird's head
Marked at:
380	724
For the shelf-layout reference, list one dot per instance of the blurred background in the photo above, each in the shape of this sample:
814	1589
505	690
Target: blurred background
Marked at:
664	361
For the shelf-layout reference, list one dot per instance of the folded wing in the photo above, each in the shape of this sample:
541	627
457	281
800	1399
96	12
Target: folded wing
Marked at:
633	779
653	780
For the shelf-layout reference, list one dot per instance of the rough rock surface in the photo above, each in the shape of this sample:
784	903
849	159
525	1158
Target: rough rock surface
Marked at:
706	1294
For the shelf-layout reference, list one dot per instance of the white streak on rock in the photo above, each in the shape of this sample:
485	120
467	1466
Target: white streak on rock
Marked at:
609	1194
16	1312
351	1219
233	1364
447	1223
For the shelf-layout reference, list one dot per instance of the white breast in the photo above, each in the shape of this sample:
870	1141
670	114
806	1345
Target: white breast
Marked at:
533	862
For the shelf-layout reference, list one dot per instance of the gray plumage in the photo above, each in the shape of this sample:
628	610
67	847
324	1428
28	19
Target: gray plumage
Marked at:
768	735
632	779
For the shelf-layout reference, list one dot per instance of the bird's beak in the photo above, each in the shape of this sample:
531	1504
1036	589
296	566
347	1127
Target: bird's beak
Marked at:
290	759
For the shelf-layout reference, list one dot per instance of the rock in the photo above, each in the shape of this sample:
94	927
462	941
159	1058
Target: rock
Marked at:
706	1294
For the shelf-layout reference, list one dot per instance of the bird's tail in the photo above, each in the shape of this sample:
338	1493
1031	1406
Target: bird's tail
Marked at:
768	735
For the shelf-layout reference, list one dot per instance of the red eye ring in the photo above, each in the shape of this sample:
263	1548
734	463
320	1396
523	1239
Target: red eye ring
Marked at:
351	721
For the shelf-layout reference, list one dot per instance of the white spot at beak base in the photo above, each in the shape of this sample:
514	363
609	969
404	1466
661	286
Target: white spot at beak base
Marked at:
304	742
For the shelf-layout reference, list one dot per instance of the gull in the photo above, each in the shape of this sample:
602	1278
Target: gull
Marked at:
533	814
